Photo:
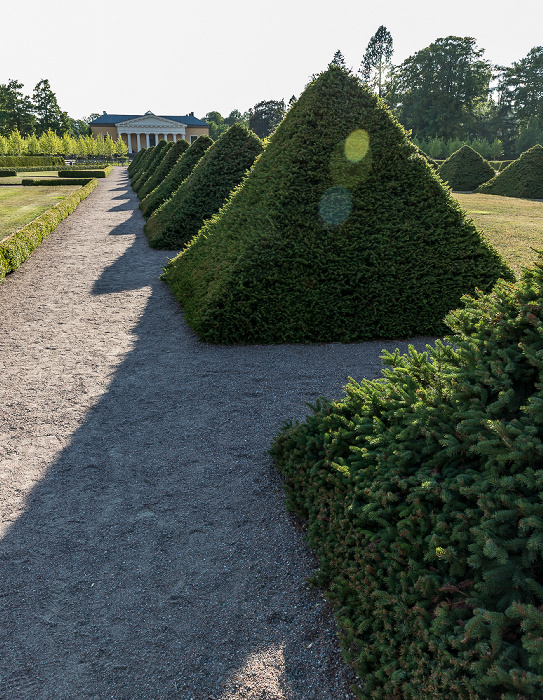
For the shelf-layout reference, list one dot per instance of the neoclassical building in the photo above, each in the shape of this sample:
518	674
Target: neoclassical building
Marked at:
143	130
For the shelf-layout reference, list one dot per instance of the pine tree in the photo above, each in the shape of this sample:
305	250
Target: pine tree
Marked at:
338	60
376	64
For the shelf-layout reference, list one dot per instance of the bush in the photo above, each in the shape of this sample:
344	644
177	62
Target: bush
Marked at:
151	165
205	190
146	157
465	169
31	161
76	172
54	182
423	494
8	173
523	178
15	249
340	232
166	164
181	170
134	163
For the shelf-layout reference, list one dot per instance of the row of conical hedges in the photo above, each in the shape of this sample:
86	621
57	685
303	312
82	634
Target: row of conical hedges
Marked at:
522	178
465	169
167	162
177	175
152	163
340	232
423	495
201	195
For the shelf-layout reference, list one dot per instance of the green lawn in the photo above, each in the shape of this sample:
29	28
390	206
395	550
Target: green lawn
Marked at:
513	226
21	205
16	180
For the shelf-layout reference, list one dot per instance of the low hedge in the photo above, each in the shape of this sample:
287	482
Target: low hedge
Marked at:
15	161
17	247
8	173
33	182
423	494
77	172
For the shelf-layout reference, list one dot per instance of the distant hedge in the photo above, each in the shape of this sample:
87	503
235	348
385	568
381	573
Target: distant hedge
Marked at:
166	164
160	151
76	172
8	173
181	170
33	182
17	247
31	161
465	169
147	154
134	163
201	195
522	178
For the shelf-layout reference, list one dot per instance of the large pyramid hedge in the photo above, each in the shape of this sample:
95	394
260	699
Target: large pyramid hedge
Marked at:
166	164
465	169
522	178
341	232
181	170
223	166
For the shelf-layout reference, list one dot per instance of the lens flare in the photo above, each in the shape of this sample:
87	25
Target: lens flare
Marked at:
357	145
335	205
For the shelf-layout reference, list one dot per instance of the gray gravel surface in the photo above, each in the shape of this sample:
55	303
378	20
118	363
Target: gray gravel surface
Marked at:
145	549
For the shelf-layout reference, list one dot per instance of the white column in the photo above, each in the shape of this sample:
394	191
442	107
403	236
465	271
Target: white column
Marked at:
138	141
129	140
156	139
147	137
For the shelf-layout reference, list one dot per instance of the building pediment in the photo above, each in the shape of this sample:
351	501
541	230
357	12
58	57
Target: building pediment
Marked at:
150	121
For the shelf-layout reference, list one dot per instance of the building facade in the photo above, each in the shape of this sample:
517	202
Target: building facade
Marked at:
145	130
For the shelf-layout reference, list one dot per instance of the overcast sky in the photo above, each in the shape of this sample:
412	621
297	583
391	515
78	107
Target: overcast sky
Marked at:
174	57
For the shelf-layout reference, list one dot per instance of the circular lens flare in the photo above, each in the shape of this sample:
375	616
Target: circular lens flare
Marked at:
357	145
335	205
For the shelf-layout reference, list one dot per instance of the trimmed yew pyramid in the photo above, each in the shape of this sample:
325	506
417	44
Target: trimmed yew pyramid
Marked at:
164	167
151	165
340	232
522	178
181	170
202	194
466	169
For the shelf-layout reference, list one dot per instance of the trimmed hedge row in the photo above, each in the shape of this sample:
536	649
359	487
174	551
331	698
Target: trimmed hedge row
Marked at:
423	494
152	164
523	178
8	173
134	163
465	169
31	160
178	174
165	166
76	172
17	247
32	182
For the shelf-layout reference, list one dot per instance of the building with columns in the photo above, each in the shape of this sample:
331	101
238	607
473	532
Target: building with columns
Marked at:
145	130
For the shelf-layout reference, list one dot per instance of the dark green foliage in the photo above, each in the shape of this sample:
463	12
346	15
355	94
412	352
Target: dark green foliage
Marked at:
15	249
55	182
284	261
31	161
160	151
201	195
465	169
134	163
523	178
182	169
423	493
76	172
8	173
168	161
144	160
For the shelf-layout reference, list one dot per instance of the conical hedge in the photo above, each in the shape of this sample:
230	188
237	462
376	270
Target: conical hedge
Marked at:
523	178
223	166
341	232
181	170
465	169
146	156
134	163
166	164
150	167
423	492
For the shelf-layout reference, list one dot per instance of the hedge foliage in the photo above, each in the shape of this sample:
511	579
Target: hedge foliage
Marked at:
340	232
465	169
134	162
423	494
166	164
17	247
201	195
54	182
8	173
152	164
523	178
6	161
76	172
140	166
181	170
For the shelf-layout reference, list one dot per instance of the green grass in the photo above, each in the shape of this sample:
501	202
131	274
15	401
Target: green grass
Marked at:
21	205
19	177
513	226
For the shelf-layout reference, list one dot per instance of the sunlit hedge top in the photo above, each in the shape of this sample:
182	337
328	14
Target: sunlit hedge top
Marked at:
465	169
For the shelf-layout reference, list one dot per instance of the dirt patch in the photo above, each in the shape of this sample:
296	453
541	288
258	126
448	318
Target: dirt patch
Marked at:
146	551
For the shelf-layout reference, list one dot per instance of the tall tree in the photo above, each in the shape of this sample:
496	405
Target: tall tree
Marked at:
376	65
443	89
15	110
520	87
338	59
48	113
265	116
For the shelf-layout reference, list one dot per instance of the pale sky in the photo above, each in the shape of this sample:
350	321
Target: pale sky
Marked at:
178	57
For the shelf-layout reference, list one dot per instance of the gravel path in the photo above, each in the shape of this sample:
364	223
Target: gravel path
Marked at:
145	549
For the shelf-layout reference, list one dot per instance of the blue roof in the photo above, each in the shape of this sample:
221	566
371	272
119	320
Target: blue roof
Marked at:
188	119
